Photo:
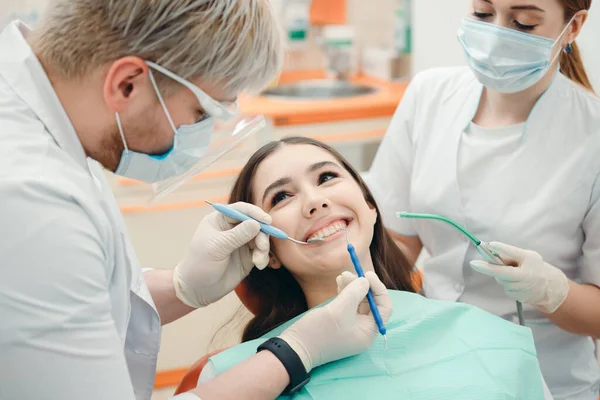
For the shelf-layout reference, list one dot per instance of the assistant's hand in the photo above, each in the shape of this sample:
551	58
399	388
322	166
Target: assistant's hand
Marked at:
530	280
344	327
221	254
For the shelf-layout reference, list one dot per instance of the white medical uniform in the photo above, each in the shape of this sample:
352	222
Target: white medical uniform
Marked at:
543	195
76	318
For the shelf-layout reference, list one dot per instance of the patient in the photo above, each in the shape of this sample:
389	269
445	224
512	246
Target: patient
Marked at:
437	350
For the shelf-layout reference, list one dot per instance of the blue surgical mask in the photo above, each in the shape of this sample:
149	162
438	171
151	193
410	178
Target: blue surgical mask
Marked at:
190	143
506	60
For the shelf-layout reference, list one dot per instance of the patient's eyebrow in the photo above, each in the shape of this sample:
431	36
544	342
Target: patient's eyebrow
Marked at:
321	164
278	183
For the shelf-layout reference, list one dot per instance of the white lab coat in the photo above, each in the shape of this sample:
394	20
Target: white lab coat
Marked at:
76	318
547	199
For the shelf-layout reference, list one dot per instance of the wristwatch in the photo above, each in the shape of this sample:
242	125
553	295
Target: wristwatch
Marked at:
290	360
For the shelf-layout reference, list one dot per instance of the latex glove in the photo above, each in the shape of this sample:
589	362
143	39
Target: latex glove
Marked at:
342	328
221	254
529	280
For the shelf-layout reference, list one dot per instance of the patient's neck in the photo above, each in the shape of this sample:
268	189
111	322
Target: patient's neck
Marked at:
318	290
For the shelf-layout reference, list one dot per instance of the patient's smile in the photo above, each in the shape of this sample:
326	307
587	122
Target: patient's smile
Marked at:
330	230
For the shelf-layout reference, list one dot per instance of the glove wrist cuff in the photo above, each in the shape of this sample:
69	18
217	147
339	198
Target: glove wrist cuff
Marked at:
179	291
299	349
557	291
290	360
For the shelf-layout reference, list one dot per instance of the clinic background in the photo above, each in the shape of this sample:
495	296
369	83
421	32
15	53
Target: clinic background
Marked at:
161	234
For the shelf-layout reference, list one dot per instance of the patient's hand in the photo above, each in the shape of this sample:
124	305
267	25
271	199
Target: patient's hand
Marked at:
344	327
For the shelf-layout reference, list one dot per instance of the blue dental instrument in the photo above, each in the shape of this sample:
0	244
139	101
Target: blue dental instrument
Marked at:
483	248
268	229
370	299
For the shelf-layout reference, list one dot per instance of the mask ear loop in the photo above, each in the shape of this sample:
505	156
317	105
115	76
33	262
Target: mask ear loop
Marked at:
568	48
162	102
121	131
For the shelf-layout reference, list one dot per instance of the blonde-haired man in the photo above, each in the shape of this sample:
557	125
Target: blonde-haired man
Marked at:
132	86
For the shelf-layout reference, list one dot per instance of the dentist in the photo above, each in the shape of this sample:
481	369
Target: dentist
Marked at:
510	148
134	87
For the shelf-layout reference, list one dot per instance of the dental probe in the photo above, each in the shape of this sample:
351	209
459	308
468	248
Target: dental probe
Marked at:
371	300
268	229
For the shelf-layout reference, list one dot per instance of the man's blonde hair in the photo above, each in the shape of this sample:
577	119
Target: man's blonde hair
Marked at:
237	44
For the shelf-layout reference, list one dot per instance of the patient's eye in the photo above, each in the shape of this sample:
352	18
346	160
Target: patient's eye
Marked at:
279	197
327	176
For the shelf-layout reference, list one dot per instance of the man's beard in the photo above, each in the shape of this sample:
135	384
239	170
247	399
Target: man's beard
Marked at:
111	146
109	151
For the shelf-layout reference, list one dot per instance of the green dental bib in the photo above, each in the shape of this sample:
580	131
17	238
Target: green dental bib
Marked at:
437	351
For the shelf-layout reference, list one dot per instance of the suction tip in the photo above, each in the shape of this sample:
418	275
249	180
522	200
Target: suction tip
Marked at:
315	240
385	342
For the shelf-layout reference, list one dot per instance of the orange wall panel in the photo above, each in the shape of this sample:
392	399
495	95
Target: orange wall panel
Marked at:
328	12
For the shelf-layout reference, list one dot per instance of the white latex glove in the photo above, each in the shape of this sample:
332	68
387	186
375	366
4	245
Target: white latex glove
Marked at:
221	254
344	327
529	279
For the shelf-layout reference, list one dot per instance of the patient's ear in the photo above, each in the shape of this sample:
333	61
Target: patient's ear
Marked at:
274	262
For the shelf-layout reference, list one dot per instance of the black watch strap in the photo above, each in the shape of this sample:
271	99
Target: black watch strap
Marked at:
290	360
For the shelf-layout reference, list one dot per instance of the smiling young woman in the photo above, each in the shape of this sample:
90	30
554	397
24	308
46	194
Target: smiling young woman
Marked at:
328	182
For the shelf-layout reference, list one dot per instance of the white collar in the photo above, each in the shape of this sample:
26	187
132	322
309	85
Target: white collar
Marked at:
559	87
23	72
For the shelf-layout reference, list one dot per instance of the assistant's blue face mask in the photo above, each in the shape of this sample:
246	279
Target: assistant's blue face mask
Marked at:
507	60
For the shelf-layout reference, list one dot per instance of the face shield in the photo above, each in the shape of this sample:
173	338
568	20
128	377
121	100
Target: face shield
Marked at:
230	130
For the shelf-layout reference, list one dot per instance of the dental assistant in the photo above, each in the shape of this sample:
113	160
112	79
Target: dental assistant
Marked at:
509	147
133	87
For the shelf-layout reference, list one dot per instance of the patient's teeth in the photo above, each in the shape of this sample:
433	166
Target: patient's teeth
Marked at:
330	230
